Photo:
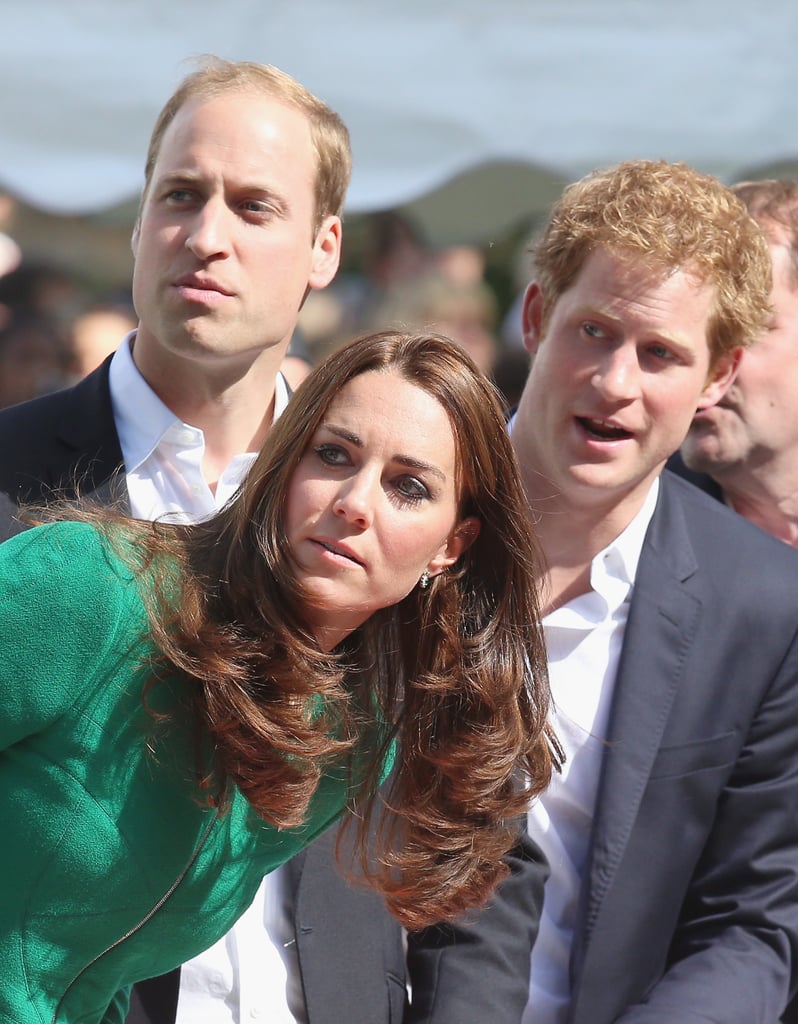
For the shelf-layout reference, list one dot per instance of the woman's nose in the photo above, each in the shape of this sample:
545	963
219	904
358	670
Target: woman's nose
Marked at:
355	502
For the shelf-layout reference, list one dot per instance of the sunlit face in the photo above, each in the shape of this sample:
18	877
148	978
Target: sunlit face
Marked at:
616	378
226	245
373	502
756	421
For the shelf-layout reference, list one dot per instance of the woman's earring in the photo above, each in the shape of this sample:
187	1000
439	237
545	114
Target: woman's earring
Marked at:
424	581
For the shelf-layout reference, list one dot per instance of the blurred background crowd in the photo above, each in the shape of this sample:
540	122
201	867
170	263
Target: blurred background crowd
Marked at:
466	121
57	323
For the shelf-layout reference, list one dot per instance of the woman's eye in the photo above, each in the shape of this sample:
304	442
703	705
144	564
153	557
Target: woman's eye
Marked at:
412	489
331	454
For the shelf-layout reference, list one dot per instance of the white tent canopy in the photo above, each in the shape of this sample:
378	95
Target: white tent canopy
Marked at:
513	96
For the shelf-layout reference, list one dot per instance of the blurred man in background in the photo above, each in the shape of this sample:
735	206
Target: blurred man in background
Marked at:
744	450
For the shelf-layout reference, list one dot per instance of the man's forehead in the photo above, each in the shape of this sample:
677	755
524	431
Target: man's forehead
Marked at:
642	265
256	104
254	126
618	270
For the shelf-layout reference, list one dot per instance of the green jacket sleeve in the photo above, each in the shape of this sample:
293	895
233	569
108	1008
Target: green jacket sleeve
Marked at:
63	600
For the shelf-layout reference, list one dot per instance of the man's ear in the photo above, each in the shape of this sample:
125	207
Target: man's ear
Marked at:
459	540
532	317
720	377
326	253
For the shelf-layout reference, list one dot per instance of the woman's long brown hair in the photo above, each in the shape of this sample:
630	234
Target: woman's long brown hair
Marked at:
455	673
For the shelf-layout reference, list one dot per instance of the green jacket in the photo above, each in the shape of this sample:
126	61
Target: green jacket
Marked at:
112	867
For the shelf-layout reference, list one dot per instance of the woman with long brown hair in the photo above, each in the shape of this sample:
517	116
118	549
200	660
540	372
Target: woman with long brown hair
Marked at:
185	707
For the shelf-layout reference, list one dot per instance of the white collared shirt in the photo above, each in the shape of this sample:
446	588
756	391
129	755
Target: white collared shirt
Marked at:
252	973
163	456
583	640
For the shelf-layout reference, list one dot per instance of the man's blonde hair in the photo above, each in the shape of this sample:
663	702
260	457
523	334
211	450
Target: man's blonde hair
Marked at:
329	135
666	217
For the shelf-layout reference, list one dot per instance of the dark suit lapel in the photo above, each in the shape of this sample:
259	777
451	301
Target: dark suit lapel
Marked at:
86	456
662	622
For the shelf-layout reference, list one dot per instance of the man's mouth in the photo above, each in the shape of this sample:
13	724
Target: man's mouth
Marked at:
195	282
603	430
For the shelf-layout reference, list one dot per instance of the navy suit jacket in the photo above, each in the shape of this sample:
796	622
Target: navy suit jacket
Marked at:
351	959
709	486
689	911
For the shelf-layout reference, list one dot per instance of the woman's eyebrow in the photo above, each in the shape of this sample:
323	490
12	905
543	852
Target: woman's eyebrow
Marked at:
406	460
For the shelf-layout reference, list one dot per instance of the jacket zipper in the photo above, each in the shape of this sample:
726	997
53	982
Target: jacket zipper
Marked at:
147	917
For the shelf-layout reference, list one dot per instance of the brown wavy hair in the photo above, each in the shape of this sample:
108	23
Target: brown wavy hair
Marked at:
454	674
666	217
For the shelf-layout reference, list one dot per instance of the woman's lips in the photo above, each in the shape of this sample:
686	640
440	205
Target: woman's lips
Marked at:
337	548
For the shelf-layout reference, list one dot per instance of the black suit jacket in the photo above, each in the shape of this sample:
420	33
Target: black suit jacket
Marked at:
60	445
351	959
689	911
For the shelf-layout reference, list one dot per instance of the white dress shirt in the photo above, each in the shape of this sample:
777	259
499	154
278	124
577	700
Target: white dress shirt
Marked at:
252	973
583	639
163	455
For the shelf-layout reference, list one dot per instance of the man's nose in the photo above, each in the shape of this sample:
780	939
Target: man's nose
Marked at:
209	234
617	377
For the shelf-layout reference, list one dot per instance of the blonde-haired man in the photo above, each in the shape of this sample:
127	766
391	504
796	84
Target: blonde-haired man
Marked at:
672	626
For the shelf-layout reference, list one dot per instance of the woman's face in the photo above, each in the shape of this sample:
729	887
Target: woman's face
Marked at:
372	503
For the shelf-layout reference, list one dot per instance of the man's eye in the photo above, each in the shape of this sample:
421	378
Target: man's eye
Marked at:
593	330
661	352
257	206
